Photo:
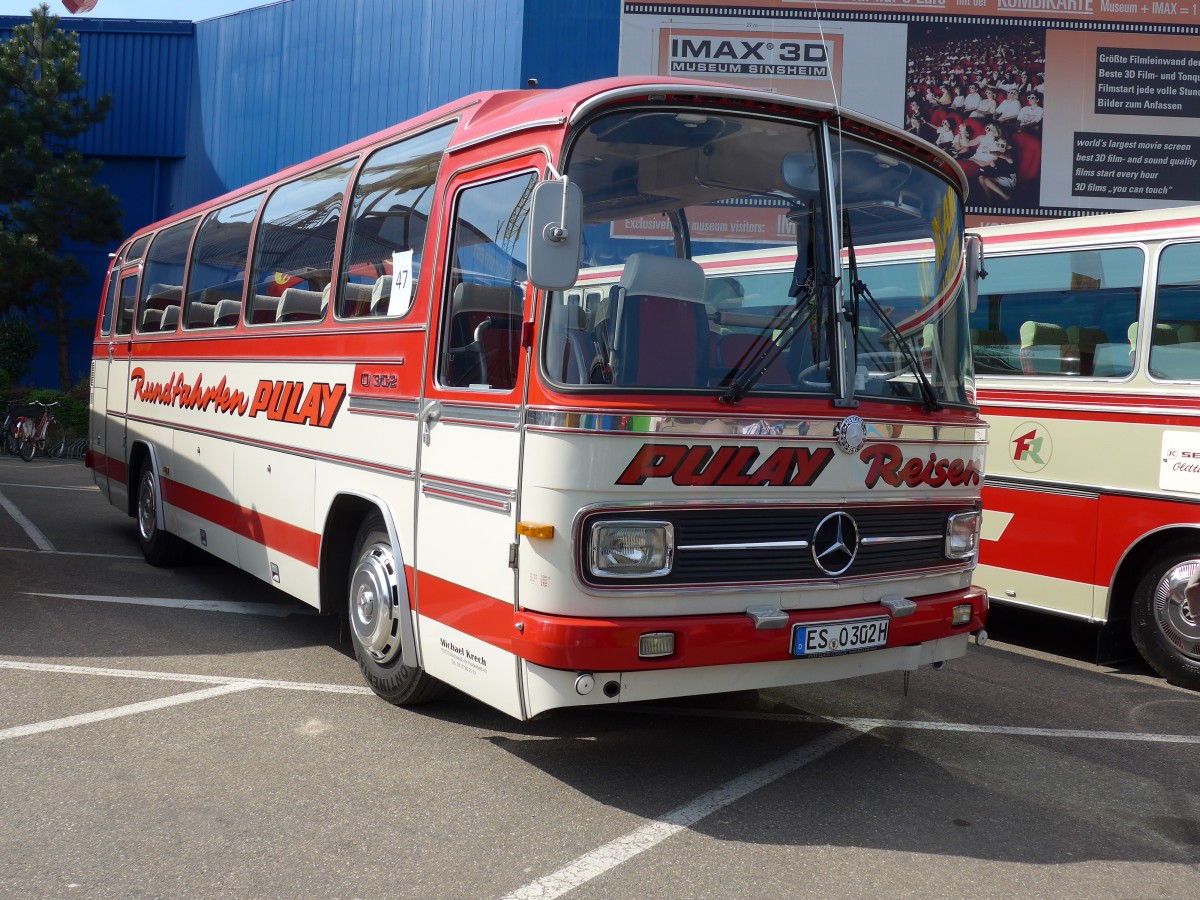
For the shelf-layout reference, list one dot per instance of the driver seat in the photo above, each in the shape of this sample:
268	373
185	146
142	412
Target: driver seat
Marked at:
660	336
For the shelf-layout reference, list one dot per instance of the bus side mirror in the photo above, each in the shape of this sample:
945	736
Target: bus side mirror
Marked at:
555	234
975	270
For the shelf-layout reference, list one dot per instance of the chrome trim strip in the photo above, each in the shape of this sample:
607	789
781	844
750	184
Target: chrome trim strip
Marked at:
505	132
491	416
406	409
1085	492
756	545
907	539
723	587
1124	408
814	430
466	499
481	496
353	462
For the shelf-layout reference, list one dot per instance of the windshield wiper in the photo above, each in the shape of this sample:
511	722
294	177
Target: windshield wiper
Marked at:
789	326
860	291
808	290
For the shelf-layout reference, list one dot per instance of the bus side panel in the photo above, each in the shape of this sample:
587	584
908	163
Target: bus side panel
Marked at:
1038	548
466	524
198	493
276	538
97	406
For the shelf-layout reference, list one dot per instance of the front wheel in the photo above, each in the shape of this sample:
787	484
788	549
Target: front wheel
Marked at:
56	441
161	548
1166	622
375	611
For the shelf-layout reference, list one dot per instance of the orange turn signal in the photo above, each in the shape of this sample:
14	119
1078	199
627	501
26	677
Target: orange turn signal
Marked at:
533	530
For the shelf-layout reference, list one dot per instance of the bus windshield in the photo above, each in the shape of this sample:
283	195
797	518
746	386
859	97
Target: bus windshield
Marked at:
707	263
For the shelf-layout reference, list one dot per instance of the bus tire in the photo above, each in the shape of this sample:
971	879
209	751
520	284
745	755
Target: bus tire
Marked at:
1166	626
375	607
160	547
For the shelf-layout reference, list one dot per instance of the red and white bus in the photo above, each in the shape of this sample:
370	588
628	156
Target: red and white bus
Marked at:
1087	348
380	381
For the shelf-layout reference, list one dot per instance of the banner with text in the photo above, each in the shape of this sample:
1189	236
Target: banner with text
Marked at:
1052	107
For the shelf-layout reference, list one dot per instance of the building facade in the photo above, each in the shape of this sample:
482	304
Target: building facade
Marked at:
202	108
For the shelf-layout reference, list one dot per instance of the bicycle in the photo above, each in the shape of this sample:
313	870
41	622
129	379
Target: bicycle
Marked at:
47	435
10	431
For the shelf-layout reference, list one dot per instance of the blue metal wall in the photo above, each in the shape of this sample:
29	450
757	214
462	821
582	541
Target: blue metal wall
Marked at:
202	109
279	84
145	66
568	42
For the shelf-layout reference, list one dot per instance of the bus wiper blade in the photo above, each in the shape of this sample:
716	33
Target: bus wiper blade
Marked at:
928	397
790	326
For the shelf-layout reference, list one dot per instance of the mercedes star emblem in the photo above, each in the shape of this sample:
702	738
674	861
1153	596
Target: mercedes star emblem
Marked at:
835	543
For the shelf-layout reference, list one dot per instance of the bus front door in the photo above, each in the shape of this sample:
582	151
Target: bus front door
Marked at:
470	450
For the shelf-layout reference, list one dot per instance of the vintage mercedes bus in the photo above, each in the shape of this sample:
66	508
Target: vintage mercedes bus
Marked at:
465	384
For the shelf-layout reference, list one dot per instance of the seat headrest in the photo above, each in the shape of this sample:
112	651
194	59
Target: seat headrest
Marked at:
1040	334
663	276
1086	337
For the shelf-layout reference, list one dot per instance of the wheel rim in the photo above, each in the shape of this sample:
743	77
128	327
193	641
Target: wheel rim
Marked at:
1174	613
147	507
375	604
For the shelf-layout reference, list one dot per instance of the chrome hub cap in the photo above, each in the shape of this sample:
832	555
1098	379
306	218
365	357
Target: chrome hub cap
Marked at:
375	604
1175	613
147	507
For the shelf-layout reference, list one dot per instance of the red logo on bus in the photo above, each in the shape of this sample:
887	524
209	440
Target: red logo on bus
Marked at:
888	464
726	466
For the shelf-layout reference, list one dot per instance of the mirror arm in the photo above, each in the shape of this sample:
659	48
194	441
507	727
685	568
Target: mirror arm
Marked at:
556	232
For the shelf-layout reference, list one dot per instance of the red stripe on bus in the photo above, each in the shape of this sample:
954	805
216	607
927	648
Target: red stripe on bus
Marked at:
284	537
1049	534
590	644
560	642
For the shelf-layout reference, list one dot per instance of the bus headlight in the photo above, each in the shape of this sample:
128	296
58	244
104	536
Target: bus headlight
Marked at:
962	534
632	549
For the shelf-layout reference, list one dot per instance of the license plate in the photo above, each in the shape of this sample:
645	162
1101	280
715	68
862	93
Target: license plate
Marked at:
848	636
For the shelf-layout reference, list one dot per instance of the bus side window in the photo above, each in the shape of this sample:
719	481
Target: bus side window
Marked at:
390	220
481	326
129	284
217	275
1175	349
162	277
1068	311
293	249
110	301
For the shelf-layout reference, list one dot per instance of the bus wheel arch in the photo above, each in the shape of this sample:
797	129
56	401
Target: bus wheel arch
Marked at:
1148	590
364	580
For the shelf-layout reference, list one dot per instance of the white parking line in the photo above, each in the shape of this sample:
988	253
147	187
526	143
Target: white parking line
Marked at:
72	553
279	610
624	848
47	487
133	709
917	725
316	687
35	534
612	854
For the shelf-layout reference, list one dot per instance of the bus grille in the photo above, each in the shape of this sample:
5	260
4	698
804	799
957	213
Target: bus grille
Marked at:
892	539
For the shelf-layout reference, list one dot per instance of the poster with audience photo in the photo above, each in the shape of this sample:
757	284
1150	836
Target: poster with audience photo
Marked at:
1051	107
981	98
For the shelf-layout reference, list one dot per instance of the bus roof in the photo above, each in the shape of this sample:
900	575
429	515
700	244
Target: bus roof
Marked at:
488	115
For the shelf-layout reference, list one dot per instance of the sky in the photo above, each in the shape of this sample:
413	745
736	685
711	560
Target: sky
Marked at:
194	10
